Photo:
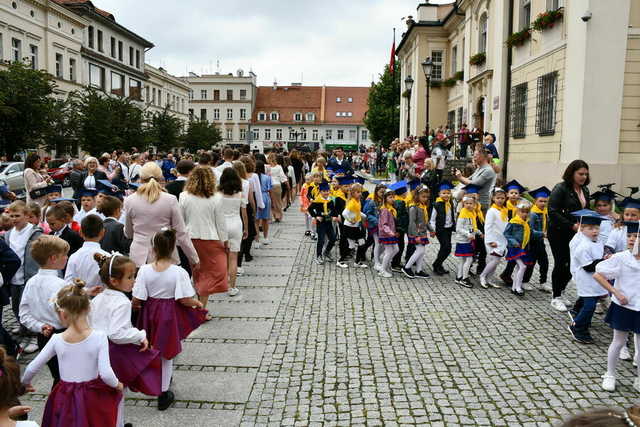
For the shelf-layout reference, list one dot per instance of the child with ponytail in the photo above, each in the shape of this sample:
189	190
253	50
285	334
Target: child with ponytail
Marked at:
170	311
467	230
418	233
134	363
387	235
89	391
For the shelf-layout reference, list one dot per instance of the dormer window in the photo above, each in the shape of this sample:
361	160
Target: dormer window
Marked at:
262	116
311	117
338	99
275	117
297	117
349	99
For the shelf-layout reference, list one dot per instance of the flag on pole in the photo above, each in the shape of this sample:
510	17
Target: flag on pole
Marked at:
392	62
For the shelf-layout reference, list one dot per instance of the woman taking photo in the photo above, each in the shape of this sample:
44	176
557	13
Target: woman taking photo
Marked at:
230	194
206	225
568	196
147	211
278	180
91	174
34	179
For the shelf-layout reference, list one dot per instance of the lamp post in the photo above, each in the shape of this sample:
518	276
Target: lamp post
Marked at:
295	134
408	84
427	67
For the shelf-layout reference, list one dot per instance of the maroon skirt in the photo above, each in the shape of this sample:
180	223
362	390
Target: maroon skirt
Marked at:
140	371
167	323
86	404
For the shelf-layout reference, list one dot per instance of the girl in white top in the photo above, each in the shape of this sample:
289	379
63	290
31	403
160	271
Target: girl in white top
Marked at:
135	364
624	313
89	391
230	194
171	311
494	240
278	178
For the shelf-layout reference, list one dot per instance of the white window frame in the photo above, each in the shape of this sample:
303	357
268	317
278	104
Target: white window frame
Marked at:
328	134
216	114
311	117
353	134
338	99
279	134
267	134
525	14
16	49
229	134
72	69
364	136
436	70
102	76
274	116
256	134
340	135
243	134
203	94
243	114
297	117
33	53
303	135
229	114
454	60
262	116
483	25
349	100
314	134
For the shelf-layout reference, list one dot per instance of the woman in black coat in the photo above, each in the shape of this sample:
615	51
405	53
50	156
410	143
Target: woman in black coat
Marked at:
568	196
91	175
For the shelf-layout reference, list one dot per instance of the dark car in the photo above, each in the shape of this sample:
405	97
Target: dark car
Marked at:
60	170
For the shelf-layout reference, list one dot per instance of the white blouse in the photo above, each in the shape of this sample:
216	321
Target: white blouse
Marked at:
254	180
277	175
624	268
111	314
79	362
585	251
245	193
494	232
172	283
203	217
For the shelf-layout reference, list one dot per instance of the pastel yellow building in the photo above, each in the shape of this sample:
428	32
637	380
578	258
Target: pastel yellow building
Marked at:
567	88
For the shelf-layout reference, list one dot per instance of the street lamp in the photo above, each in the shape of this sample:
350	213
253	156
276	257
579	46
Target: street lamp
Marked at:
295	134
408	84
427	67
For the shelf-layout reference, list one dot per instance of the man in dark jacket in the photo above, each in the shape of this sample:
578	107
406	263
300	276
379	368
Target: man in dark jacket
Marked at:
339	162
184	169
76	179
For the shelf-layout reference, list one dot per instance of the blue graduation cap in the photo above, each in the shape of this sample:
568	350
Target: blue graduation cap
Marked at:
62	199
324	186
360	180
414	183
399	187
632	227
53	189
589	217
87	193
540	192
445	185
345	180
514	185
603	196
630	203
471	189
4	189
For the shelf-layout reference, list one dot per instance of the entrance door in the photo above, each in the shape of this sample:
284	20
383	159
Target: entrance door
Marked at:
480	114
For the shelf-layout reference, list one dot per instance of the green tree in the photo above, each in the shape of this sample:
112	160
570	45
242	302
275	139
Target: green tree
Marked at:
62	134
25	107
108	122
201	135
383	117
164	130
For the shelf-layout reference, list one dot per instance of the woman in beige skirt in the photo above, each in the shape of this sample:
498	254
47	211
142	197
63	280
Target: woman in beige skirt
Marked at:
278	177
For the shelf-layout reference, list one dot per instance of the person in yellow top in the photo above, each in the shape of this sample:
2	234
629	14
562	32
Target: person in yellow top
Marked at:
339	196
514	193
538	221
321	166
352	227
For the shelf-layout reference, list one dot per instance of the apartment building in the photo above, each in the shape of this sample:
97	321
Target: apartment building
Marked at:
163	90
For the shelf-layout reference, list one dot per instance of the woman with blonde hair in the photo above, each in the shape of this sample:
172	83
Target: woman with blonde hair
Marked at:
206	225
150	209
91	174
278	181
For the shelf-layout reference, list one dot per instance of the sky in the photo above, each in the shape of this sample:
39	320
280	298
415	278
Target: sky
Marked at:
328	42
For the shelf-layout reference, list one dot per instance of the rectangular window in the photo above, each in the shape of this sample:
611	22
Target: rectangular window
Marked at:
243	134
113	47
117	84
436	71
365	135
243	94
203	94
191	113
338	99
262	116
216	95
340	134
303	135
519	111
292	135
229	114
454	60
137	58
314	134
203	114
59	67
153	97
267	134
120	51
147	94
297	117
328	134
131	56
229	134
160	98
279	134
349	99
1	50
546	104
90	36
353	134
229	95
525	14
451	118
34	56
96	76
100	45
554	4
72	70
191	95
275	117
16	50
256	134
243	114
216	114
459	117
135	89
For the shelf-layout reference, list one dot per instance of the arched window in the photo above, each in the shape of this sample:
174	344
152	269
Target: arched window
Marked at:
482	36
274	117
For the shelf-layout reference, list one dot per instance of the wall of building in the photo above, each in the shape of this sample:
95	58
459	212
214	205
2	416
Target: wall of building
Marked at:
629	152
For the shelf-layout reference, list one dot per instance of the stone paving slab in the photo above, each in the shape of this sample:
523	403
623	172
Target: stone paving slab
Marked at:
256	281
242	309
206	386
272	270
221	354
234	329
252	294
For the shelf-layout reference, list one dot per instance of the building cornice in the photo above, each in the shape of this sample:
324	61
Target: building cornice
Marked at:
211	101
115	64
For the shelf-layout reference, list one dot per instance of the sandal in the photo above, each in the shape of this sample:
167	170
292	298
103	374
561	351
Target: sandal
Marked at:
208	317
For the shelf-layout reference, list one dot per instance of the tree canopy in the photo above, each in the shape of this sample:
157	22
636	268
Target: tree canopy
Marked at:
201	135
383	117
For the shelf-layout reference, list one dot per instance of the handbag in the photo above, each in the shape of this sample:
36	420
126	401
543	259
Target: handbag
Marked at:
37	193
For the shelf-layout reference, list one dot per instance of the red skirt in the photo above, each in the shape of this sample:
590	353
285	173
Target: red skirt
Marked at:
86	404
140	371
211	277
167	323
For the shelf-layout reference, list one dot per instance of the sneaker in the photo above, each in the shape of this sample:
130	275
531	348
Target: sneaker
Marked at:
30	348
422	275
16	330
458	280
307	233
385	274
635	362
396	269
566	302
377	267
558	304
265	241
165	400
318	260
248	258
342	264
483	282
327	257
257	245
546	288
609	382
361	265
240	271
578	336
465	282
233	292
408	272
494	285
624	354
518	293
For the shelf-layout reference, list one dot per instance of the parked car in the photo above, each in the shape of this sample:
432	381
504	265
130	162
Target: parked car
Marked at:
12	174
60	172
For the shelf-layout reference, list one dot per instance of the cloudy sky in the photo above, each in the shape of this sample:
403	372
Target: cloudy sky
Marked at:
332	42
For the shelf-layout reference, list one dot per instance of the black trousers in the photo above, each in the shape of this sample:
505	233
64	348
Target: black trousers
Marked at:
539	255
481	254
343	244
325	231
53	362
411	248
245	244
560	276
397	259
444	238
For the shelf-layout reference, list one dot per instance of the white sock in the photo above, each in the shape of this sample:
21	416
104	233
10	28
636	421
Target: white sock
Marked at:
618	341
167	371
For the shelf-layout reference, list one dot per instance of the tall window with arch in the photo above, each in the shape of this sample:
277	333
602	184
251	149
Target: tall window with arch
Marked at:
482	36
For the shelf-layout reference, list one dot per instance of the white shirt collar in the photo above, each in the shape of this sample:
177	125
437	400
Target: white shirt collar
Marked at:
90	244
181	178
48	272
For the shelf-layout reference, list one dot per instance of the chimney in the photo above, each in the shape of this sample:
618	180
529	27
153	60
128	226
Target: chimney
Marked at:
296	84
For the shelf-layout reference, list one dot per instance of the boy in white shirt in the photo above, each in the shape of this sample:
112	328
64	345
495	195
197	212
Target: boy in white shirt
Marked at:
82	264
37	308
87	205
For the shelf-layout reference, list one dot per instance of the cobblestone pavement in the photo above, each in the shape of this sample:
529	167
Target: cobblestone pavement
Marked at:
317	345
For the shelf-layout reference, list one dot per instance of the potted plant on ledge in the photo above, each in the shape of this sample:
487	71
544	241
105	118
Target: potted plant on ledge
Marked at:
519	38
547	20
478	58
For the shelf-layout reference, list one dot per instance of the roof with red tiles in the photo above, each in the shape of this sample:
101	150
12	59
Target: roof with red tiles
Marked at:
286	101
346	105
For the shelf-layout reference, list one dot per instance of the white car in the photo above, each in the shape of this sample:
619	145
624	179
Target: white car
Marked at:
12	174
